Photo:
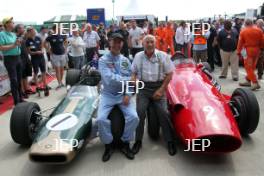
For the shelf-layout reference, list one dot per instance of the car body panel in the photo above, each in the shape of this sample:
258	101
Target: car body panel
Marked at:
67	129
200	111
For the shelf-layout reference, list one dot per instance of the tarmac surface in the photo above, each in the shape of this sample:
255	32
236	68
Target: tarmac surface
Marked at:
152	160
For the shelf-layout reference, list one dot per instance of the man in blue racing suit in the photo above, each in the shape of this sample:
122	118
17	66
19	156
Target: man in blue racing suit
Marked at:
115	70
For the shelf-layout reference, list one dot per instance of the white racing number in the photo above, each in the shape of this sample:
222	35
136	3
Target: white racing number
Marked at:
210	112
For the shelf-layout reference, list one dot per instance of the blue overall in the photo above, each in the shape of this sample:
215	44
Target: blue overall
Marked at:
114	70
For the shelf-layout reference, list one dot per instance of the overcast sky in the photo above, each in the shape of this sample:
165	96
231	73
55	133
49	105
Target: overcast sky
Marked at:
41	10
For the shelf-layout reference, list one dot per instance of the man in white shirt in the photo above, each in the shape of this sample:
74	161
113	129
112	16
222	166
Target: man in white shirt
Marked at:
43	34
91	40
136	35
77	49
182	38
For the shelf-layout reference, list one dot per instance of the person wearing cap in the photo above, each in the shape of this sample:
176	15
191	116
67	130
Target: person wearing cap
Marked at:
155	69
115	70
10	47
35	47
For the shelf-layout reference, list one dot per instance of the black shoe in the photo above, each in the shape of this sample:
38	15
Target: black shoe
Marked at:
127	151
38	90
136	147
49	87
222	77
109	150
46	91
22	101
235	79
172	150
25	95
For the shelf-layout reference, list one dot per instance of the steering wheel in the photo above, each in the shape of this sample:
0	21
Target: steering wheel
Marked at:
178	55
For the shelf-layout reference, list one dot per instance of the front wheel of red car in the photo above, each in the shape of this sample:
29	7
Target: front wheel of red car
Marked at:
246	110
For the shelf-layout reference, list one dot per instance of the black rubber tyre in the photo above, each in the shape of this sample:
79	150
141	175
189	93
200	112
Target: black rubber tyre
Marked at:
117	123
249	110
240	106
153	123
22	122
92	78
207	66
73	77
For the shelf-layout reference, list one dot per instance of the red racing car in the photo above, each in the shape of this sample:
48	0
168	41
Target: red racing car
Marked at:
201	114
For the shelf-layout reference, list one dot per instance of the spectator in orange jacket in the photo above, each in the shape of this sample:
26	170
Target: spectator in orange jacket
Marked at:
160	34
250	38
169	36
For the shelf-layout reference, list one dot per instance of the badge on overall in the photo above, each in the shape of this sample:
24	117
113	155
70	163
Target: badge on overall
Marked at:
124	65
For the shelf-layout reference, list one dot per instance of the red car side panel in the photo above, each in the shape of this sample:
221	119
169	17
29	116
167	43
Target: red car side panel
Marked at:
200	111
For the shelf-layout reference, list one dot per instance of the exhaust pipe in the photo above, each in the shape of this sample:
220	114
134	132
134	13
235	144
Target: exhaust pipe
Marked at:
54	159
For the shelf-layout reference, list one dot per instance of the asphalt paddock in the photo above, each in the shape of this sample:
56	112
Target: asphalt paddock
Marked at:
152	160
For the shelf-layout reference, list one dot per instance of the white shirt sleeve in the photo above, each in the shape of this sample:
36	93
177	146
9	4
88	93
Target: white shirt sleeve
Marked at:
97	37
178	36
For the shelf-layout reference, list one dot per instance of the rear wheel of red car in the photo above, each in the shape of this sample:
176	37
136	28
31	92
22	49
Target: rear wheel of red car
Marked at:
23	122
153	123
246	104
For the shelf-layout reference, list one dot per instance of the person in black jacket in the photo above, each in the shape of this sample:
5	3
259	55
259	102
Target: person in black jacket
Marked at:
102	34
210	46
123	31
26	63
227	40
